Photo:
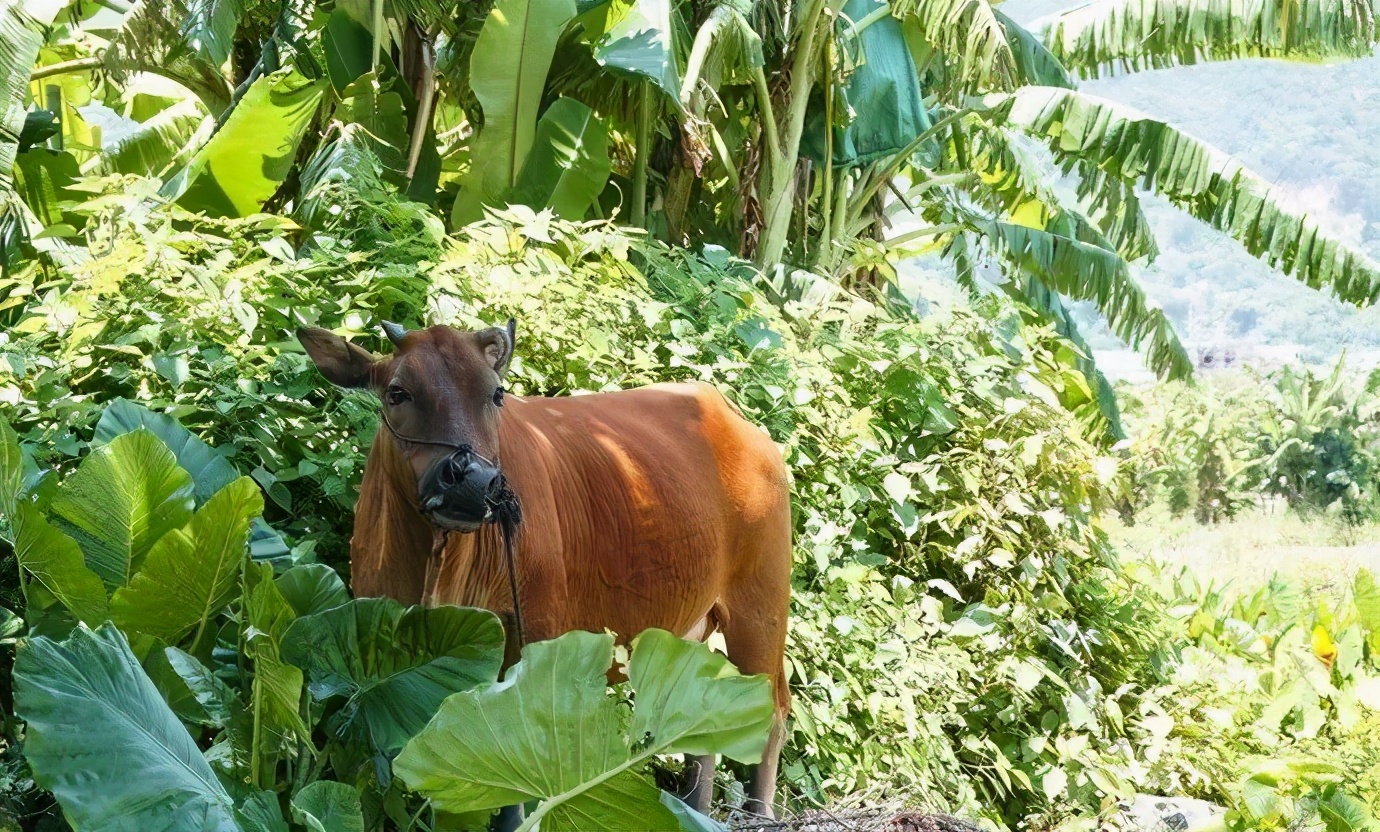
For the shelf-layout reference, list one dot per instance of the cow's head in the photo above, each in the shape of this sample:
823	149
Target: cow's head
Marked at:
441	391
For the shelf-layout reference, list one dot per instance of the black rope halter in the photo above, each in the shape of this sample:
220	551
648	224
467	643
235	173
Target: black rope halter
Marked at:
501	508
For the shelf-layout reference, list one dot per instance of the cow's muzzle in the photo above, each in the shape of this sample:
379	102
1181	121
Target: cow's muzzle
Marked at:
459	491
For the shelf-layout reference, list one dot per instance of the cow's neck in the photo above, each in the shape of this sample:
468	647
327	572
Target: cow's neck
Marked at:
392	540
466	569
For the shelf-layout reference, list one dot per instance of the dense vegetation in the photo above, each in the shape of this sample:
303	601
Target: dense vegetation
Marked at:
656	191
952	586
1216	449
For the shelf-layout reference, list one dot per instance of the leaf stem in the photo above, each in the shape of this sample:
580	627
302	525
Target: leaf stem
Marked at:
547	805
77	65
638	215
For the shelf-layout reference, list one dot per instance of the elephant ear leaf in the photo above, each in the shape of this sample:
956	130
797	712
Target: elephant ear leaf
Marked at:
145	774
552	732
327	806
193	572
209	469
121	500
394	665
210	472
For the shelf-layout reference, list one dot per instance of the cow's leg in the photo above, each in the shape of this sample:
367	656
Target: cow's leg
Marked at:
762	789
755	635
699	781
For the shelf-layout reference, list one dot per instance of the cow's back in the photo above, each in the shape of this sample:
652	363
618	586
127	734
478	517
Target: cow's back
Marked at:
641	508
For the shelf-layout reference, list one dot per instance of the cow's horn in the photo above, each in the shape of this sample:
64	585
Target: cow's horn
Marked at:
395	332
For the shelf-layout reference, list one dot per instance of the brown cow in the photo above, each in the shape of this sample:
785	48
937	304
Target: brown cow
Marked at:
655	507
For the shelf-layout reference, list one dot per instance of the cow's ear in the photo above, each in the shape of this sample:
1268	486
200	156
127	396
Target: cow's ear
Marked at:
498	346
341	362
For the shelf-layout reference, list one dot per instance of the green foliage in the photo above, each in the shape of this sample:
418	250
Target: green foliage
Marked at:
102	739
685	120
961	630
392	665
550	732
252	153
507	74
1313	441
1286	685
128	730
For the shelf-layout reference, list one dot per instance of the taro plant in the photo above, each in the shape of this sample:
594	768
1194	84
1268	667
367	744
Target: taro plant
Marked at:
169	680
551	733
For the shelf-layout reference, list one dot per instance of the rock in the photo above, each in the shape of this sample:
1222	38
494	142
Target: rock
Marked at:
1149	813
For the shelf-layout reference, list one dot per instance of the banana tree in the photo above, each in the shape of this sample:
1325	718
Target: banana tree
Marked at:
823	134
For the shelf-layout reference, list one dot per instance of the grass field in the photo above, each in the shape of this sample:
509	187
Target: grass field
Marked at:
1315	553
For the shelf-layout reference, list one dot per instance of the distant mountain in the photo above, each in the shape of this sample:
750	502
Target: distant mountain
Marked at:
1314	131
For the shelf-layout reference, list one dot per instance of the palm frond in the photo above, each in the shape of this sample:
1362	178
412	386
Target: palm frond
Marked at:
150	40
970	37
167	138
1120	142
1035	64
1107	36
21	39
1085	271
1011	181
1047	305
1115	206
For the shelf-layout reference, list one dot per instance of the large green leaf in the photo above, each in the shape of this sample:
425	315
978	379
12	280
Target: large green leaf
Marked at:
22	39
11	472
508	70
209	28
691	700
349	49
641	42
209	470
1110	37
55	561
569	163
43	177
383	116
103	741
250	155
216	703
191	573
276	692
312	588
123	497
393	665
1122	143
1365	593
551	732
325	806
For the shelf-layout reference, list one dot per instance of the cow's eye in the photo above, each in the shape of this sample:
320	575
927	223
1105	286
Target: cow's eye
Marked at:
396	396
498	397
